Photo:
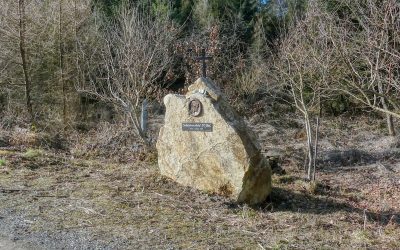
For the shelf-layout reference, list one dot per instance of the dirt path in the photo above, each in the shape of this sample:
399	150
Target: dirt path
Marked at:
10	245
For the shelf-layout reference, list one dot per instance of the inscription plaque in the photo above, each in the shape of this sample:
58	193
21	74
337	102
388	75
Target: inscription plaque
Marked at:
203	127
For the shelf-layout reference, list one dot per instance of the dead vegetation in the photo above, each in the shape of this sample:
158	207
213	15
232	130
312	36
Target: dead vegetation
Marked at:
105	203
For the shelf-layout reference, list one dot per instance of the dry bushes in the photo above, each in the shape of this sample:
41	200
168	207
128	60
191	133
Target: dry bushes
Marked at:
24	138
108	140
112	141
134	53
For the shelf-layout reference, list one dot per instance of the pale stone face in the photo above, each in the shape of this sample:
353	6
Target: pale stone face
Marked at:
226	160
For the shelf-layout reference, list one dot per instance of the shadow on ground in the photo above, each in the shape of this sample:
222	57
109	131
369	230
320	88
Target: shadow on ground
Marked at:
334	159
282	200
287	200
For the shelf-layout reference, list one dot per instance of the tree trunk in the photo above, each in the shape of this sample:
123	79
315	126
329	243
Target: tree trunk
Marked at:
61	47
315	148
390	125
24	58
136	124
144	117
309	144
389	117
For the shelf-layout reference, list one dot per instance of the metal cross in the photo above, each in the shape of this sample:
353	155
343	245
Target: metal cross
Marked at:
203	58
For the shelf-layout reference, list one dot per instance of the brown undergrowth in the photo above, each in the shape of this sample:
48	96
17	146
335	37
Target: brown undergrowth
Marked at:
57	192
121	201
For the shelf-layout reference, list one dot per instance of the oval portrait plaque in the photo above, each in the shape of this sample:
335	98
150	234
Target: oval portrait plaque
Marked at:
195	107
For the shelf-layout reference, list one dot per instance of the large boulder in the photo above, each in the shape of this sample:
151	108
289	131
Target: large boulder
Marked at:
206	145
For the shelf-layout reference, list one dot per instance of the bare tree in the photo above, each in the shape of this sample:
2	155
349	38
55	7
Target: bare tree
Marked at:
36	56
9	49
135	52
61	50
305	65
24	57
370	50
357	54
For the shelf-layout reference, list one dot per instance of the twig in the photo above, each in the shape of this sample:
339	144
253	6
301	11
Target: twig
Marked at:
55	196
249	232
365	219
315	147
14	190
260	246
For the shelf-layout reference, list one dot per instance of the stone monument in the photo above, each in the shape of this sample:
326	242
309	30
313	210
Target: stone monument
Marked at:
205	144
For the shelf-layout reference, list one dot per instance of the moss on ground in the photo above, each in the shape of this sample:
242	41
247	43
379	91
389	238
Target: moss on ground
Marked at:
32	153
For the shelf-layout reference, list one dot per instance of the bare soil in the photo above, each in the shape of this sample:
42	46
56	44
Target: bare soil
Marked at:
56	200
11	245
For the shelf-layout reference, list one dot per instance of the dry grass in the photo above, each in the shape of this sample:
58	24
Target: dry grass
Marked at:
114	200
133	202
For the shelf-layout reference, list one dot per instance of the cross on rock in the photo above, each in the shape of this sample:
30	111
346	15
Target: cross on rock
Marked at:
203	58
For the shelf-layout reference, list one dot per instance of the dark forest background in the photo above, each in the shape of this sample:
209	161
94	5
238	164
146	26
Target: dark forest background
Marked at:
71	65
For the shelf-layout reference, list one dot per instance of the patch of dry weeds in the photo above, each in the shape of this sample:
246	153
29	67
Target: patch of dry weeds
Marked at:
133	202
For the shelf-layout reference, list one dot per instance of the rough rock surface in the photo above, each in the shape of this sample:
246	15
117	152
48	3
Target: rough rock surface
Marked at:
226	161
